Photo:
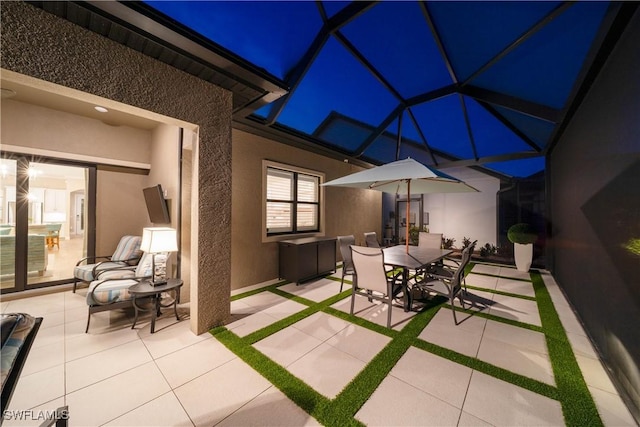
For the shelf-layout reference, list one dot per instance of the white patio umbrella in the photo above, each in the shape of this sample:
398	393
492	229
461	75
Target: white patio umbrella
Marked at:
403	177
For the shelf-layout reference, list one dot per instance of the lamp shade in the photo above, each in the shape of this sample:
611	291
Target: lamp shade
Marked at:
159	239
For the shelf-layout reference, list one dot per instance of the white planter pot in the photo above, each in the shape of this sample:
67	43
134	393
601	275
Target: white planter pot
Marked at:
523	255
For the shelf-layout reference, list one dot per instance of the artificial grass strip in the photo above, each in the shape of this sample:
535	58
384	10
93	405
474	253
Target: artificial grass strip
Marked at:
259	290
498	319
263	333
295	298
313	307
360	389
312	402
577	403
571	390
498	292
489	369
383	330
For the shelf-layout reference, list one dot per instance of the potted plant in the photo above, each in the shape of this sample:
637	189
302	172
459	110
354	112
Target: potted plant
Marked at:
522	235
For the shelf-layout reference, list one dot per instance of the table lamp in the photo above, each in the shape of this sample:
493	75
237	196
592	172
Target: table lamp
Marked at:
156	240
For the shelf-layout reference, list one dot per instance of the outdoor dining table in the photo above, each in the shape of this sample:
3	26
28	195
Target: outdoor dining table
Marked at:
416	258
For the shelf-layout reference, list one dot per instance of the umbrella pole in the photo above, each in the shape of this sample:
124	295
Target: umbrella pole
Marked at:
408	214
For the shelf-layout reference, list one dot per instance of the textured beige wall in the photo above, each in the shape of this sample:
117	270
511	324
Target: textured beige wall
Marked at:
43	46
42	128
114	192
165	165
165	169
347	211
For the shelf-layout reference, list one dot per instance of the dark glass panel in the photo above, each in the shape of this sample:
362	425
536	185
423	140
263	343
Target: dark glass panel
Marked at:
474	32
272	35
337	82
443	124
539	131
519	168
415	152
333	7
544	68
490	135
342	132
383	149
396	40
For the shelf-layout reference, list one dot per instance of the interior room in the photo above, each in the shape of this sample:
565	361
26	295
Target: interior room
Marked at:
217	129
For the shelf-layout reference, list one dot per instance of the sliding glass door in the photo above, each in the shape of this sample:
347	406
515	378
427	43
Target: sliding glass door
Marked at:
42	220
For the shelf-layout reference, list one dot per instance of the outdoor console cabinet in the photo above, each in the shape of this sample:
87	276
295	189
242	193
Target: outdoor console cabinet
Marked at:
307	258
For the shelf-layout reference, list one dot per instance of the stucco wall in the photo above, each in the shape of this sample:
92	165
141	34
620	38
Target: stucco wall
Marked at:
347	211
41	45
595	200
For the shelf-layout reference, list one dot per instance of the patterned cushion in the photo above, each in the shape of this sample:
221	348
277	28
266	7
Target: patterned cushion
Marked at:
128	249
85	272
144	266
109	291
116	273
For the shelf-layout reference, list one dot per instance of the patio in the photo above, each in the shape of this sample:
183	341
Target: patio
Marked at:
510	363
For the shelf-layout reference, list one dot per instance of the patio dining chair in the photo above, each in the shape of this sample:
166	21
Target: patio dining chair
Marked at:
371	240
345	243
429	240
371	279
447	281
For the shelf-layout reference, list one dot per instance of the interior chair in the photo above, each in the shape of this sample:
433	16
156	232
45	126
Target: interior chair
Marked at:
127	253
345	243
53	235
447	281
371	240
370	279
110	290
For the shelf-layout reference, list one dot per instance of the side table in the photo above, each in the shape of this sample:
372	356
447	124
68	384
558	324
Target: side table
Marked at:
145	289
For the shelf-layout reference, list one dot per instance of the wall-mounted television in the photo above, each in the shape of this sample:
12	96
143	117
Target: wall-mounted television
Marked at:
156	205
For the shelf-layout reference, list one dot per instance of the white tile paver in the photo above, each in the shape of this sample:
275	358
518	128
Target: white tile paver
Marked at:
518	287
317	290
212	397
190	362
463	338
288	345
88	370
162	411
321	325
326	369
414	408
519	360
359	342
106	400
271	408
503	404
442	378
38	388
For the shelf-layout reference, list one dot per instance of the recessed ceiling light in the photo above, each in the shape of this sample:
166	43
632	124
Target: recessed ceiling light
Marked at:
100	109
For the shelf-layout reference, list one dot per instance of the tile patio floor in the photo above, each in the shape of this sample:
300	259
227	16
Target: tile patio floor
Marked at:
116	376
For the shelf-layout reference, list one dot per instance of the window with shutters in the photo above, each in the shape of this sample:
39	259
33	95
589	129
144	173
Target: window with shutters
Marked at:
292	201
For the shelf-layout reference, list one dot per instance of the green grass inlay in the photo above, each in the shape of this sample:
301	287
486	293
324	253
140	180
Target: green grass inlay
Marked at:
577	403
571	390
489	369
